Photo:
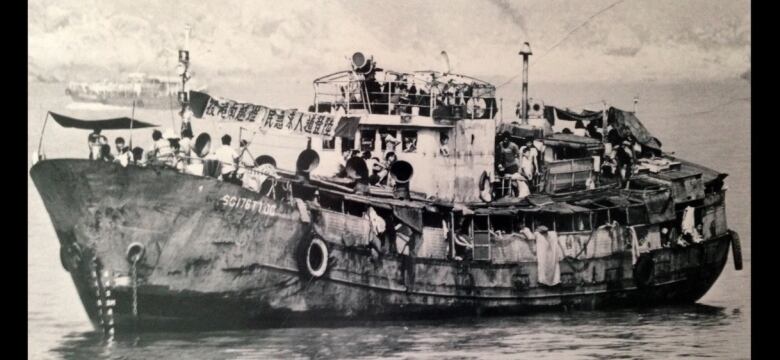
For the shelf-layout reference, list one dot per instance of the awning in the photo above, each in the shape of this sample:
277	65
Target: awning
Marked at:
105	124
625	121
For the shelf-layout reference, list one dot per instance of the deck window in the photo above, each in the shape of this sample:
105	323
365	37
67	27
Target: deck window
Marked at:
548	220
367	139
329	144
619	214
354	208
432	219
501	223
330	202
347	144
564	223
409	140
392	133
637	215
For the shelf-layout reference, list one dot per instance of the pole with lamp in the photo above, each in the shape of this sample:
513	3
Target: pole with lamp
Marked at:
182	70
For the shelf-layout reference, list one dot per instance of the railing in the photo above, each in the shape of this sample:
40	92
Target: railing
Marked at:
401	97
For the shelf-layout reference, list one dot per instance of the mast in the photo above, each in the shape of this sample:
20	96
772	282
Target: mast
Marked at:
182	69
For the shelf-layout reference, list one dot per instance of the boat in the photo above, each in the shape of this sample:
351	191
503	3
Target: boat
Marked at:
136	89
388	199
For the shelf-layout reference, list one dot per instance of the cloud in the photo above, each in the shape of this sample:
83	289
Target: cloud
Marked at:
634	40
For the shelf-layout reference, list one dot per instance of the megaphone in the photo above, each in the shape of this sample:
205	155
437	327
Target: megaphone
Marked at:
308	160
361	63
401	172
202	145
265	159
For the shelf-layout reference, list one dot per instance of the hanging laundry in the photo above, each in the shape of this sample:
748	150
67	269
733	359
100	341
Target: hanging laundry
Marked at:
637	247
547	256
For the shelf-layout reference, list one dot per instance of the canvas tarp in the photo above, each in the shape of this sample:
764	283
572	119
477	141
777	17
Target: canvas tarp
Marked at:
625	121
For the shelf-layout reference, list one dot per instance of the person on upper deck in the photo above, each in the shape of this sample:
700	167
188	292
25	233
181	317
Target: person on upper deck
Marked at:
625	160
593	130
228	157
527	163
509	154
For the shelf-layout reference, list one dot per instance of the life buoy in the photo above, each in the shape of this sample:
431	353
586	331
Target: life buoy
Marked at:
313	258
736	250
643	271
70	256
485	188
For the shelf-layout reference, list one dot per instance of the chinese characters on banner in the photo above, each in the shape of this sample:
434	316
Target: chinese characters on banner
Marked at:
301	123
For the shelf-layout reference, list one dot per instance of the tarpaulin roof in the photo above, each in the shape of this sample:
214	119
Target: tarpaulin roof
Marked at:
624	121
586	115
105	124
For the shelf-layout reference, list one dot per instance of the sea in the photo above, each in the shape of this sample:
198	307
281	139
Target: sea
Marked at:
704	122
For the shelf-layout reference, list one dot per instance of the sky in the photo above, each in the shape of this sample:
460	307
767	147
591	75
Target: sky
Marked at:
629	40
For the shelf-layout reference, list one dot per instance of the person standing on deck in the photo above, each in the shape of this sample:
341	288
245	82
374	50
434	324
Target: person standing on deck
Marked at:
228	157
509	155
123	154
95	141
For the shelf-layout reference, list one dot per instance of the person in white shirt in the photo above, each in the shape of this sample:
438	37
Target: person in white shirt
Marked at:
227	157
162	147
185	145
123	154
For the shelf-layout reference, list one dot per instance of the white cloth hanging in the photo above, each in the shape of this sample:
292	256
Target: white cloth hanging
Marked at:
548	255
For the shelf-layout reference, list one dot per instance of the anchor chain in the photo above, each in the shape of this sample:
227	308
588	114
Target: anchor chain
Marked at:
135	289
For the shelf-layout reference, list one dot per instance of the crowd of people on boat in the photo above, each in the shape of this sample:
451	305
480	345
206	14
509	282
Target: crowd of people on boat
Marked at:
519	166
401	96
176	151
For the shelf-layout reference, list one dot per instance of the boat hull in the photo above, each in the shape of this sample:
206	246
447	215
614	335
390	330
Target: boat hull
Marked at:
220	256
